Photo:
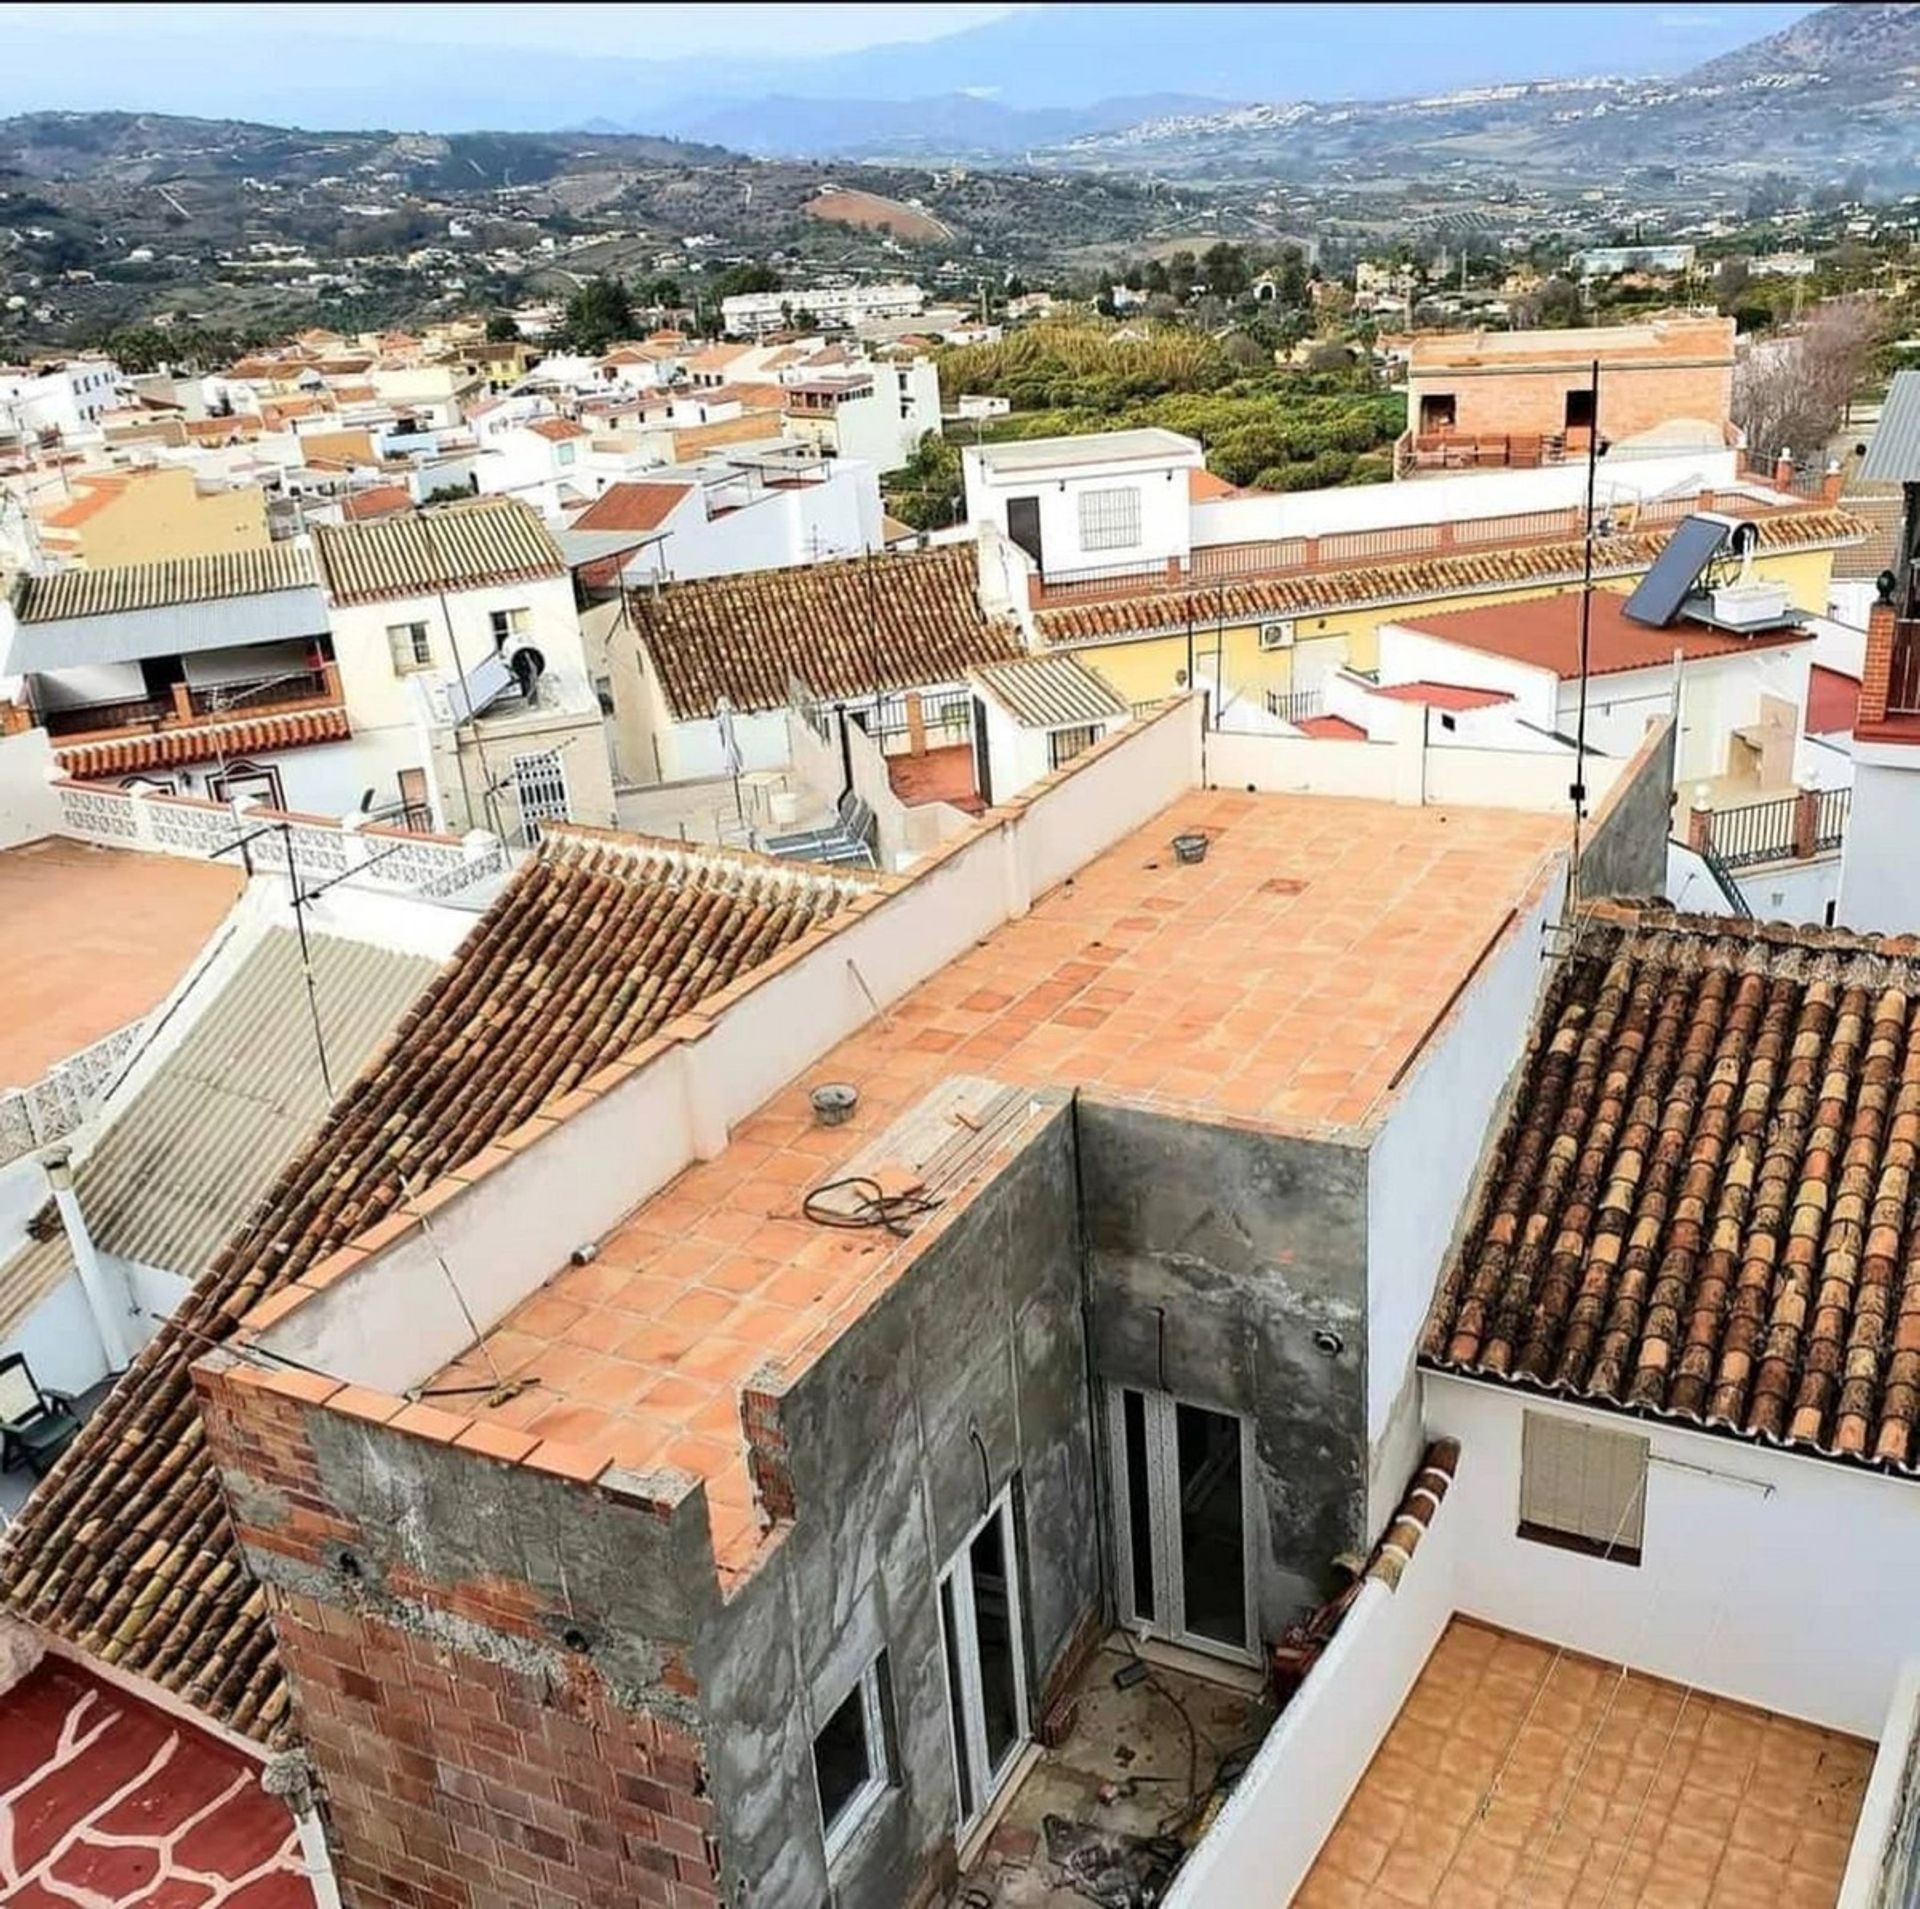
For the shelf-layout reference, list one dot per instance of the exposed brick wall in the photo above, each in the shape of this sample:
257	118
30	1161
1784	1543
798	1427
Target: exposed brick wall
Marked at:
491	1772
1534	403
1876	673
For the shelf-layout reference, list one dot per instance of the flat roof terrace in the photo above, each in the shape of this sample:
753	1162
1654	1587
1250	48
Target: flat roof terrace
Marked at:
1288	980
92	938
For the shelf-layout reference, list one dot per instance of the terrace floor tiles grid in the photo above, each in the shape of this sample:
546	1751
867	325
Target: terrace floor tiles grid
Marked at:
1518	1778
1286	977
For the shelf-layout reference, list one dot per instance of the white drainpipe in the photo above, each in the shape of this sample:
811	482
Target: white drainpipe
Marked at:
289	1777
108	1298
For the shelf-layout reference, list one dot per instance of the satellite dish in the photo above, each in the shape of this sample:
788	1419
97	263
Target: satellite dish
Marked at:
1886	583
527	665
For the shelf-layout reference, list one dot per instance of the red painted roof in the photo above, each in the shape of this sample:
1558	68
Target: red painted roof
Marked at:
557	430
1544	633
113	1803
1444	695
1331	729
1204	486
1833	701
380	500
632	507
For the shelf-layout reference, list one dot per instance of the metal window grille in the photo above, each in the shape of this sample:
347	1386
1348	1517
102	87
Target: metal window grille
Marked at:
541	783
1064	744
1110	519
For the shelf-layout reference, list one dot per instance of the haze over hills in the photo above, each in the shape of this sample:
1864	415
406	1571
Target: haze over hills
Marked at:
1036	76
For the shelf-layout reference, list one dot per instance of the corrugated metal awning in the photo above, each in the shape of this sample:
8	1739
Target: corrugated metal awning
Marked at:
127	636
1893	455
1051	692
203	1139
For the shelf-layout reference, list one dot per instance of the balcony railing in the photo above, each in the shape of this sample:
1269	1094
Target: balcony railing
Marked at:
1782	829
1903	681
1296	705
189	705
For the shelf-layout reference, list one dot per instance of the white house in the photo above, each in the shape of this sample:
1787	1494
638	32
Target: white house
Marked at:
64	396
1112	501
460	650
748	314
878	411
1034	715
535	459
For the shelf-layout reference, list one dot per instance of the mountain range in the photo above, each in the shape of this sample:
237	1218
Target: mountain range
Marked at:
1035	77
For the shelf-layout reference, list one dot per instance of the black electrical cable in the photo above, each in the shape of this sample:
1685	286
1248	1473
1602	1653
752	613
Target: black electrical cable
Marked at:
875	1206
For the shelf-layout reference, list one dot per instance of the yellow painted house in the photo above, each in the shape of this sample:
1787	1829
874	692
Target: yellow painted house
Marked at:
1281	631
127	517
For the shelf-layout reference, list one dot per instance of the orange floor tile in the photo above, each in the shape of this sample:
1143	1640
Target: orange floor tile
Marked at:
92	938
1525	1779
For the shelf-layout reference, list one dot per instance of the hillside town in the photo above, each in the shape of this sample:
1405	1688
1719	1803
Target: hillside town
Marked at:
856	1094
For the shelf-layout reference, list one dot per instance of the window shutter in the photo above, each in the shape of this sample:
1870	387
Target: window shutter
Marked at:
1585	1483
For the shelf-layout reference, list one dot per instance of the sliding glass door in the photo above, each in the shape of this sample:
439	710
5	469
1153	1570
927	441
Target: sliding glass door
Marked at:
1181	1491
984	1650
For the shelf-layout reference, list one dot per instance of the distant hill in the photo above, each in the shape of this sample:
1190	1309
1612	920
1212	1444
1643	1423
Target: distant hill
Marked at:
1834	95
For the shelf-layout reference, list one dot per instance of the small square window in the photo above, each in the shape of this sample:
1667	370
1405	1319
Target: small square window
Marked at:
850	1758
1582	1488
409	647
508	626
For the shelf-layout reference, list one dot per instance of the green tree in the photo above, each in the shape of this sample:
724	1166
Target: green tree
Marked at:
1224	267
1182	268
738	280
501	330
927	490
599	314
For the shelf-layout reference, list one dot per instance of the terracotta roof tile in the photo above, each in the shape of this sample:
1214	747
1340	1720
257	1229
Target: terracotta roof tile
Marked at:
203	742
844	628
379	500
557	430
125	1552
632	507
1507	567
1702	1204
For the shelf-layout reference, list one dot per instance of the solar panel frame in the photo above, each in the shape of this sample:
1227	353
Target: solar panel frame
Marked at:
1657	598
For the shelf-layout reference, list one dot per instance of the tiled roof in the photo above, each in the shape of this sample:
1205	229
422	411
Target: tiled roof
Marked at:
198	1142
379	500
124	1552
1443	695
1702	1204
844	628
1331	729
151	586
460	547
1544	633
1302	593
1413	1517
556	430
1204	486
125	755
631	507
1051	692
1883	517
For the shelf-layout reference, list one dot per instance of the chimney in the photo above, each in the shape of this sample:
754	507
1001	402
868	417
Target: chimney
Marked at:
1876	673
1832	482
1783	471
108	1299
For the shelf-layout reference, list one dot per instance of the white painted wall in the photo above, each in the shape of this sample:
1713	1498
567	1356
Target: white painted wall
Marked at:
1421	1170
29	808
394	1320
1413	656
1766	1577
1164	505
1794	891
1880	872
1257	515
1263	1843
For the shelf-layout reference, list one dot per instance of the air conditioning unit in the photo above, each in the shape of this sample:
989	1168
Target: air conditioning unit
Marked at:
1277	634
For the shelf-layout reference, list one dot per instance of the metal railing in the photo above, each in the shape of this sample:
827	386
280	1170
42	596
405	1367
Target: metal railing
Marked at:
1753	833
1723	880
1296	705
1903	678
944	721
259	693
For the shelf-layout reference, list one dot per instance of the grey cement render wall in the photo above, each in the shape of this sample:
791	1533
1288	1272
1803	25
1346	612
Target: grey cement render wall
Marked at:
1626	854
1245	1243
984	1335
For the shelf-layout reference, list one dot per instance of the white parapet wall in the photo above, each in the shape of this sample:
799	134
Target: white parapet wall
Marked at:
1883	1870
394	1318
1265	1840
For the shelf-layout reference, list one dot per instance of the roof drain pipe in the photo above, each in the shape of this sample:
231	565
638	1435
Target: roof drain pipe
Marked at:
108	1298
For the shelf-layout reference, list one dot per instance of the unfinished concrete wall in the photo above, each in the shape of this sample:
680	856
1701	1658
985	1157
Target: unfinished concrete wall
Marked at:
1240	1246
1625	853
982	1336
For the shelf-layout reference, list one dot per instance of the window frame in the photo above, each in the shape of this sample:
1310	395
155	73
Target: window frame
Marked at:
517	618
1123	531
1625	1543
419	636
870	1688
